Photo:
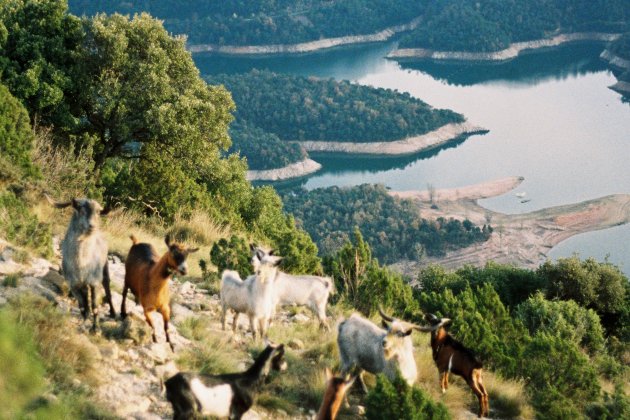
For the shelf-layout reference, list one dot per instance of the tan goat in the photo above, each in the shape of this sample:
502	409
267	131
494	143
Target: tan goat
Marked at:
147	275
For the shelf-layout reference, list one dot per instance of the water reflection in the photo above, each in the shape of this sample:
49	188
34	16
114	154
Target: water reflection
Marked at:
527	69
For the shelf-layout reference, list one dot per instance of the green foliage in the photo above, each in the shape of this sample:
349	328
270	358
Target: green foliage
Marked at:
599	286
298	250
16	136
564	319
397	400
560	378
20	226
232	255
615	406
36	56
300	108
492	25
363	283
264	22
263	150
513	284
21	369
392	227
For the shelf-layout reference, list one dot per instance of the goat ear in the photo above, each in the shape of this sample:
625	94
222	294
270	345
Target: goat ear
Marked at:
75	203
253	247
408	332
385	324
259	254
55	204
328	373
167	240
278	261
272	252
190	251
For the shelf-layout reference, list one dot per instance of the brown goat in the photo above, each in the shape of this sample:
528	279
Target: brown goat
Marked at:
336	388
147	275
450	355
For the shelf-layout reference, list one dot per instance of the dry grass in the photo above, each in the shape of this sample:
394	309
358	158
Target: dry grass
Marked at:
197	229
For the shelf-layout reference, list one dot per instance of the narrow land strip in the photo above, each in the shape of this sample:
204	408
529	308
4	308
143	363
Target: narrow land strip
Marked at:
521	239
294	170
507	54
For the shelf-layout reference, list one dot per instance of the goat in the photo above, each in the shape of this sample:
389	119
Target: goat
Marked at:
228	395
311	291
234	295
84	257
367	347
261	292
336	388
147	275
450	355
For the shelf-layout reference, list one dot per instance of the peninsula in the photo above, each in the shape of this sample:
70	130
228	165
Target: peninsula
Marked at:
522	239
509	53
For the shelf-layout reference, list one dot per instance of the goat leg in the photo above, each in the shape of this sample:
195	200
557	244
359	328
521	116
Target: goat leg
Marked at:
166	315
94	308
108	292
123	308
147	316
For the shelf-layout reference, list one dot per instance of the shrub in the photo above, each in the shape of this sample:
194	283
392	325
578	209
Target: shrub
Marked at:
21	227
232	254
16	136
397	400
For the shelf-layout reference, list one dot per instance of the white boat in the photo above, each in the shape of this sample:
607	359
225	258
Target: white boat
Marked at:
521	194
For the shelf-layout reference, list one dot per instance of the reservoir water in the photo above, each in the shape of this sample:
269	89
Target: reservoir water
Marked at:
551	116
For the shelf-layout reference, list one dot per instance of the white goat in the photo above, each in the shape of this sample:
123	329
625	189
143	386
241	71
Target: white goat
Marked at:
234	295
311	291
253	296
367	347
84	252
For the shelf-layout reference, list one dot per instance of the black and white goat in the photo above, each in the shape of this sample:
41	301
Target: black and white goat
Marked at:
226	396
450	356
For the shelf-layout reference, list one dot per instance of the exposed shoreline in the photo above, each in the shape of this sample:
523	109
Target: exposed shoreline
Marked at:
294	170
507	54
622	86
305	47
407	146
521	239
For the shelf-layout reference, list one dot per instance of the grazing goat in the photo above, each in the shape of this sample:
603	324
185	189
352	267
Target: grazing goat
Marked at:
365	346
336	388
147	275
84	257
229	395
234	295
311	291
451	356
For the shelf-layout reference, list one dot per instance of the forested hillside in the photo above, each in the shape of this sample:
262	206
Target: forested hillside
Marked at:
392	227
492	25
233	22
300	108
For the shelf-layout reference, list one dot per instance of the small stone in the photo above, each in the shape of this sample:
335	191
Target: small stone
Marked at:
251	415
187	288
296	344
359	410
57	281
301	318
109	351
166	370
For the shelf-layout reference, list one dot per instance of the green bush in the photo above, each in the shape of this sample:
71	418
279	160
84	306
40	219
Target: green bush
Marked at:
397	400
16	136
564	319
233	254
19	226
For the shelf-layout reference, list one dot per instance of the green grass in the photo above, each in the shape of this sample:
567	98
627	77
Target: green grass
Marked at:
11	280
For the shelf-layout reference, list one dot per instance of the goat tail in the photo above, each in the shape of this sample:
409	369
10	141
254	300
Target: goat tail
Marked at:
133	239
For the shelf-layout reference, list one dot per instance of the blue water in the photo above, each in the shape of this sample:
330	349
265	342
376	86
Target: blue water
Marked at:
551	116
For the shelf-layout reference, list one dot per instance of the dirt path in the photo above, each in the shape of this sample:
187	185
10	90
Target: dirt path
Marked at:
522	239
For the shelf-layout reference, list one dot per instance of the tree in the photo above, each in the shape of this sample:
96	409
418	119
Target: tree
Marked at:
16	136
38	44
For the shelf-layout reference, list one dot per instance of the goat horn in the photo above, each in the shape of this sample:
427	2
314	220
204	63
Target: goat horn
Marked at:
424	328
56	204
383	315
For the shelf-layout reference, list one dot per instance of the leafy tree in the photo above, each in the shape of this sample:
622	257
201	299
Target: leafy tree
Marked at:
38	46
565	319
16	136
397	400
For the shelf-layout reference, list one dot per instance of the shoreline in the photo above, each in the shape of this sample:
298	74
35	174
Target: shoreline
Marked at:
294	170
407	146
513	51
523	239
614	60
304	47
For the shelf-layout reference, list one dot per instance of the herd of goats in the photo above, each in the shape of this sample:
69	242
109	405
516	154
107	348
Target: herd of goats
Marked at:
363	346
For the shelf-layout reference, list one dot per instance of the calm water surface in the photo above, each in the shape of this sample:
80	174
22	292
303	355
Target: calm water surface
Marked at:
551	118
